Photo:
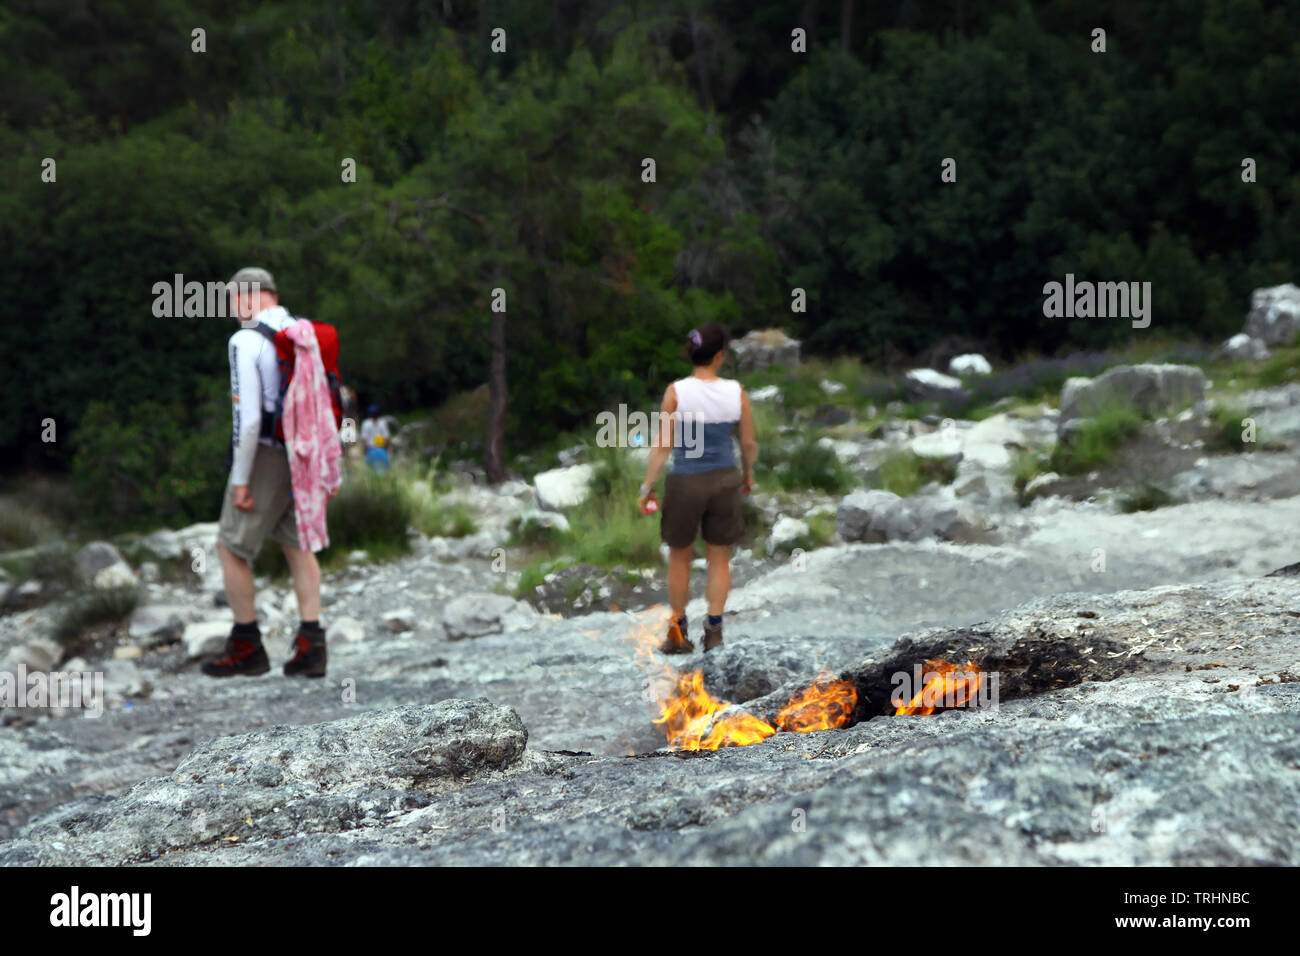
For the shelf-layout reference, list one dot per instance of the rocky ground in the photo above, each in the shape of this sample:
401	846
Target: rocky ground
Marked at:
1148	709
1172	739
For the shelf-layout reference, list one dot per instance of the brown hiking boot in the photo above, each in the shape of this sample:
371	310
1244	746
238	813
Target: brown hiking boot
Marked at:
712	636
676	642
243	657
309	656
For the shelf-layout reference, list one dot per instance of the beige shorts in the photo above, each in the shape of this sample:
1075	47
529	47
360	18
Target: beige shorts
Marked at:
271	487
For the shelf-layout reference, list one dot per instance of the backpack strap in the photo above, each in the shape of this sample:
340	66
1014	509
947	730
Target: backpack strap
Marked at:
269	422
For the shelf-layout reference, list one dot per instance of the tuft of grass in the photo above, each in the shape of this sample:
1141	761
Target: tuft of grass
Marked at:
54	566
821	529
1279	368
21	526
528	531
812	466
1148	497
904	472
1025	468
535	573
609	529
94	607
1097	441
370	512
1227	430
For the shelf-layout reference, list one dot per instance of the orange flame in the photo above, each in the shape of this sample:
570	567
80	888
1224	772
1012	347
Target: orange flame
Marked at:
689	725
689	718
823	704
945	686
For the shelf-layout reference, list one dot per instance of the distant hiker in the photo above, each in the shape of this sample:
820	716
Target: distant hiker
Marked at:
260	499
375	436
703	491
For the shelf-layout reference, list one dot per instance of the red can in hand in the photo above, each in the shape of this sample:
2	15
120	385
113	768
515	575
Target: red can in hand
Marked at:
650	506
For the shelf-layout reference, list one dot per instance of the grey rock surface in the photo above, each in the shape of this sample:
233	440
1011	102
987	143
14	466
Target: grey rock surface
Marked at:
1274	315
1151	389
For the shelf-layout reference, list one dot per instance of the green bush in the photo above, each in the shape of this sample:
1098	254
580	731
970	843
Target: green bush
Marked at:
148	465
21	527
536	573
1148	497
812	466
532	533
1097	441
904	472
1226	431
371	512
98	606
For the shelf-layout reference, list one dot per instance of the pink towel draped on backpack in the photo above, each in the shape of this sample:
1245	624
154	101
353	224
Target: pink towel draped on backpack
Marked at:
311	438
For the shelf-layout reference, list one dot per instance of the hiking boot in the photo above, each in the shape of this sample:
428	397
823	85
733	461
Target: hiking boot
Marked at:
244	657
309	657
676	642
712	636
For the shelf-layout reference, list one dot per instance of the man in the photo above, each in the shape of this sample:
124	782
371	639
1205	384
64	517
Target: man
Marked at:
258	500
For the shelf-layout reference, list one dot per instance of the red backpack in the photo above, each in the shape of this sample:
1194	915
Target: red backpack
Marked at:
328	338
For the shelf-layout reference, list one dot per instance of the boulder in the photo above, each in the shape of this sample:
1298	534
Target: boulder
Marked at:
205	638
1274	314
1243	347
1040	483
95	557
942	516
157	623
987	441
944	444
166	544
828	414
39	654
477	614
831	387
853	516
549	520
786	533
925	384
863	514
400	620
880	516
972	363
563	487
762	349
345	630
768	393
117	575
1151	389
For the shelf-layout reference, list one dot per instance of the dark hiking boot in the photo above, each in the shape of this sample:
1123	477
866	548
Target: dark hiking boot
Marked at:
676	642
243	657
309	656
712	636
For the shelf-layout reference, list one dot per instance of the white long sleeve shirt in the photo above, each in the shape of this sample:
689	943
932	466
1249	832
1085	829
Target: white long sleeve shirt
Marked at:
254	387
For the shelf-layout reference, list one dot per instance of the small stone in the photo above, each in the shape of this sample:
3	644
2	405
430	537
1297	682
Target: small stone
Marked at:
400	620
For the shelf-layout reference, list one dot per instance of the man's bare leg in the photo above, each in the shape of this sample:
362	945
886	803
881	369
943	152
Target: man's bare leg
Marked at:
238	579
305	570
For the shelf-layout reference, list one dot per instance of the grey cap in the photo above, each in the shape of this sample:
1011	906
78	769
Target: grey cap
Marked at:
250	274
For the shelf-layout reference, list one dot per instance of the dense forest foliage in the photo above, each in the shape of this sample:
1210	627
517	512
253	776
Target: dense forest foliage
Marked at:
523	169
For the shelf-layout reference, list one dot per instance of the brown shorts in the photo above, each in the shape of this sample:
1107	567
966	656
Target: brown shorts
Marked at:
710	499
271	485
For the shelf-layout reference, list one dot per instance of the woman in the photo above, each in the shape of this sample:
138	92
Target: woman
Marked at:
700	415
